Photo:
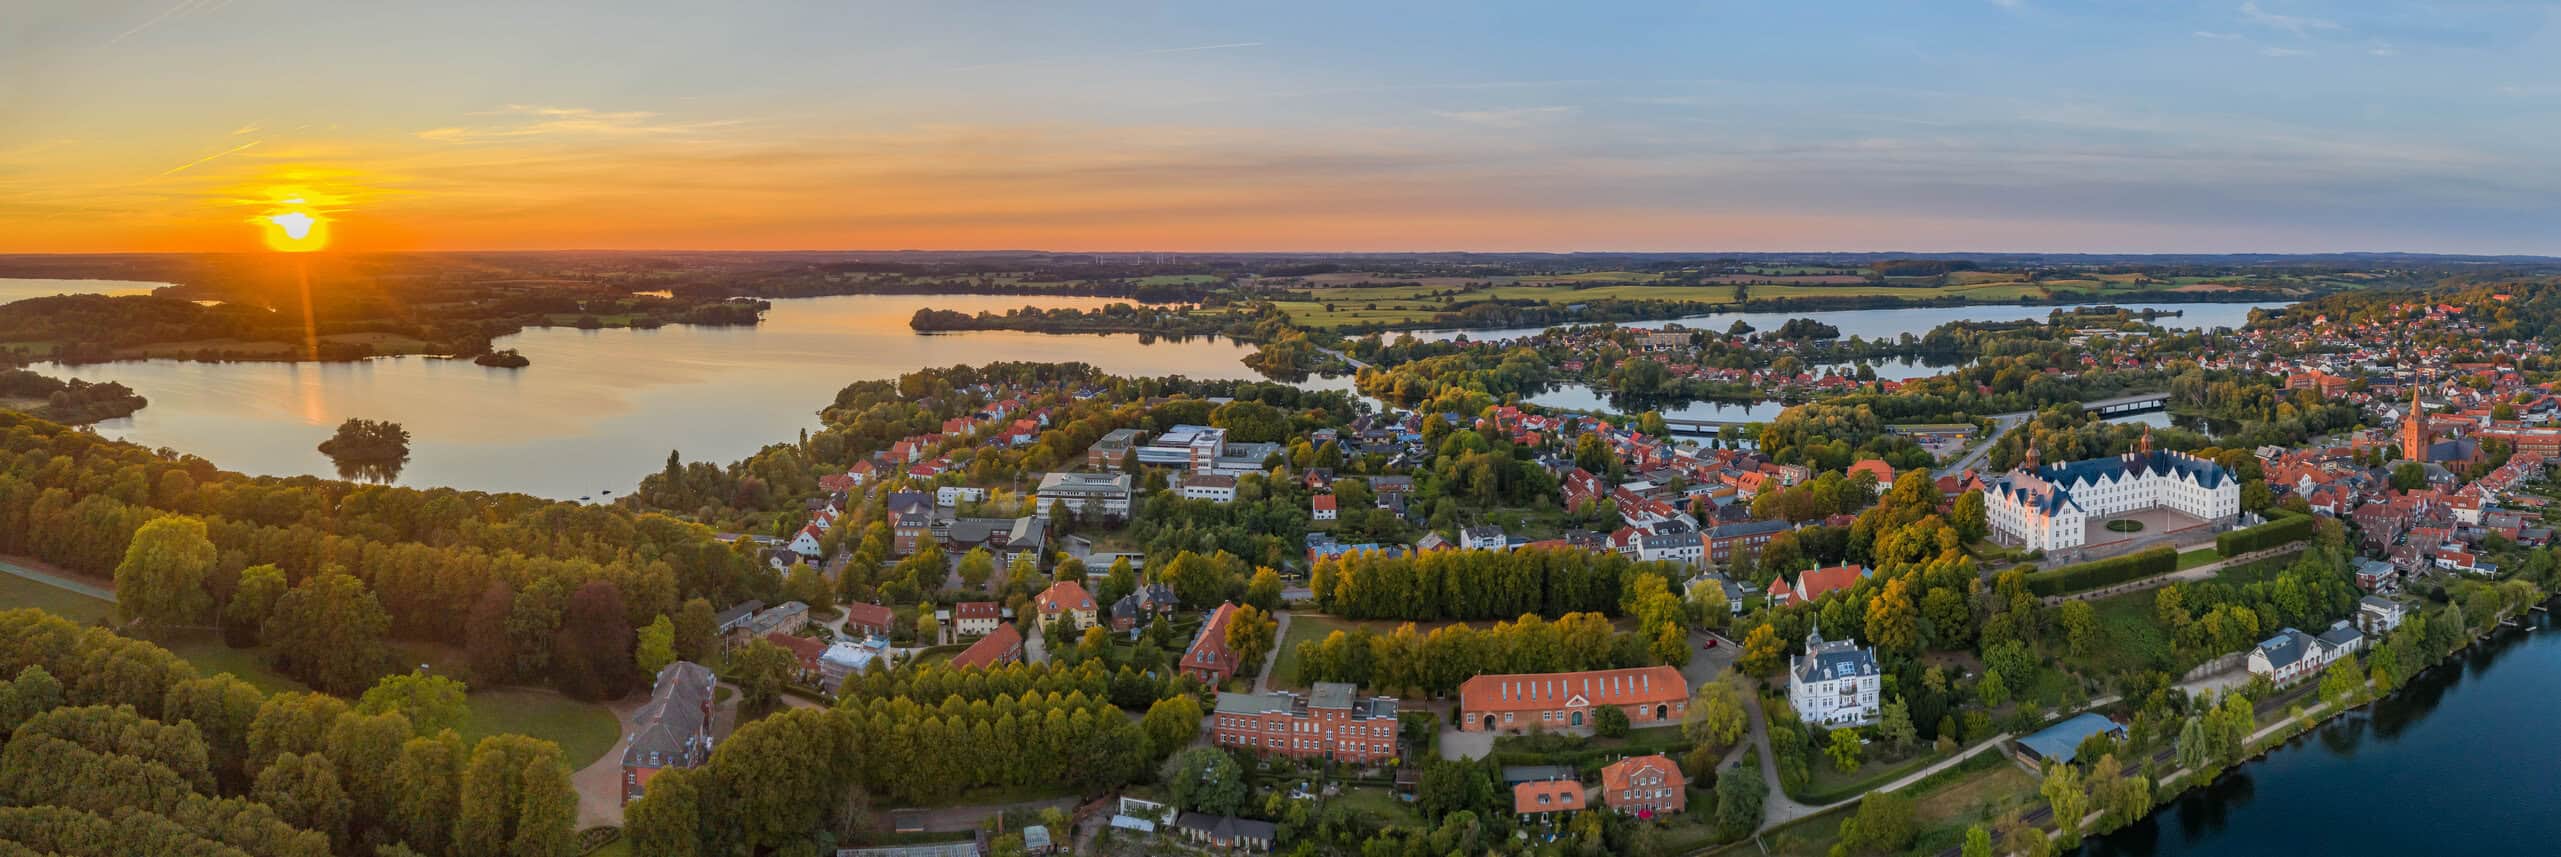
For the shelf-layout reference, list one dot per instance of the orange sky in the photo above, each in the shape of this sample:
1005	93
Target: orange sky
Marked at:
2284	125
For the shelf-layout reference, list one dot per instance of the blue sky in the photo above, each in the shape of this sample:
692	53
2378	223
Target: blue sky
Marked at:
2279	125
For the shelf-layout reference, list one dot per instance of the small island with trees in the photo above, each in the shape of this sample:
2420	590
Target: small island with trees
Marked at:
369	449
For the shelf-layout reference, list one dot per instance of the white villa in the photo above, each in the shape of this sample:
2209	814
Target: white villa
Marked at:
1835	683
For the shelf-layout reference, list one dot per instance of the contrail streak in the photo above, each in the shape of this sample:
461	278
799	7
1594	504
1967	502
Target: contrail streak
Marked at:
201	161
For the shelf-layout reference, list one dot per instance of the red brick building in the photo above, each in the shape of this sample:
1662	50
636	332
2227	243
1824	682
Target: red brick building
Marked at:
1209	659
1644	786
1553	701
1329	723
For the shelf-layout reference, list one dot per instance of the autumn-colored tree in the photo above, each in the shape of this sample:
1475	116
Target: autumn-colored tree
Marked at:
162	577
593	650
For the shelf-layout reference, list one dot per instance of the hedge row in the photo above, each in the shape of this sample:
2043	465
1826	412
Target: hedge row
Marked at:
2113	570
2282	531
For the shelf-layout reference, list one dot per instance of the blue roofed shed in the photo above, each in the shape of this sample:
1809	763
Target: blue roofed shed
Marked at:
2061	741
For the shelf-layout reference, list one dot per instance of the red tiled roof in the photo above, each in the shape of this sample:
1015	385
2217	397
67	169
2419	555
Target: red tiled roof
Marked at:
1547	796
1617	777
1544	691
1065	595
976	610
873	615
1003	645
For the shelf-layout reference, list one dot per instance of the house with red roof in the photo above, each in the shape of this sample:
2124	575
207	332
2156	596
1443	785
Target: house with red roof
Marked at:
1004	646
1644	786
1209	659
1813	585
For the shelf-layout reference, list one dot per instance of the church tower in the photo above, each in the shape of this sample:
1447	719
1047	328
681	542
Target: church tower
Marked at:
2414	430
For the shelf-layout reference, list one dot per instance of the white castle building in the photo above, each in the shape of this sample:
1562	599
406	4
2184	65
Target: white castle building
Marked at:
2052	508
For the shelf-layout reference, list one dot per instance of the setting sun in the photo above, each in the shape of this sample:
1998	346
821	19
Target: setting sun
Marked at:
295	230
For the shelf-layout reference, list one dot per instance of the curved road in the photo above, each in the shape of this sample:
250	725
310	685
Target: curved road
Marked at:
2001	425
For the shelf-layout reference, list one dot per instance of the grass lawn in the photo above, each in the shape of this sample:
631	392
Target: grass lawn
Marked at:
585	731
17	591
1830	784
1978	798
2200	556
1303	628
1380	804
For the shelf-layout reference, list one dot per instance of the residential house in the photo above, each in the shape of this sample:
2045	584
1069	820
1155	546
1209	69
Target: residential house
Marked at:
805	652
976	618
1209	659
1813	585
1321	507
671	730
948	496
805	543
1483	538
1005	538
871	620
1644	786
1066	598
1228	832
2378	615
911	517
2292	654
1001	646
731	624
1547	800
1145	605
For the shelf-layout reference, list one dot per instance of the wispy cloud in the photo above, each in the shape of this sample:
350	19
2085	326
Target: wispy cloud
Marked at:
1028	61
2220	37
250	128
2300	25
183	7
2274	51
211	158
534	120
2010	4
1508	117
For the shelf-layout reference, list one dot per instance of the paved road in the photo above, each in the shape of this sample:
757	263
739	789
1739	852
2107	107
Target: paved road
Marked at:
599	784
1346	358
1280	634
2001	425
58	581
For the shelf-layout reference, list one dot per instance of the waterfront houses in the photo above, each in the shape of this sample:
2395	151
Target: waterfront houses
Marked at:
1331	723
2292	655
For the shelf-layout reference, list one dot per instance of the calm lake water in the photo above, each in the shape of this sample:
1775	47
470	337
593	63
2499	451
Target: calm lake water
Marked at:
22	289
2460	762
597	409
1888	323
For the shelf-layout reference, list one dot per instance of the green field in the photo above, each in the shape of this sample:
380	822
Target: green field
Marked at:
584	731
17	591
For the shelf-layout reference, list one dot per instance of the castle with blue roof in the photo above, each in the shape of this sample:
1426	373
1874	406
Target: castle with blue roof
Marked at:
2057	507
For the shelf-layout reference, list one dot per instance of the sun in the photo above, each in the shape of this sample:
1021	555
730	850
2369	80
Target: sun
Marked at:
295	228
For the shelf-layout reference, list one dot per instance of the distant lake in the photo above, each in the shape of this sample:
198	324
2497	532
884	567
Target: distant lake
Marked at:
22	289
1893	322
600	408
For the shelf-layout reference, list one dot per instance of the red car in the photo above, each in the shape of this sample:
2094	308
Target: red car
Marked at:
1711	643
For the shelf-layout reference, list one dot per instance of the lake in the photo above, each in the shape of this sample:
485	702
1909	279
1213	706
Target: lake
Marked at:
1894	322
22	289
599	408
2450	765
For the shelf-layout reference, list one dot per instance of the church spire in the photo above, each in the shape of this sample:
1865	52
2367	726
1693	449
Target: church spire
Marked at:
2030	462
2144	446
